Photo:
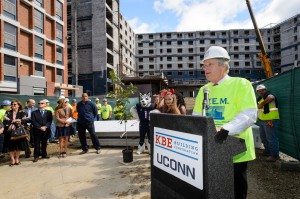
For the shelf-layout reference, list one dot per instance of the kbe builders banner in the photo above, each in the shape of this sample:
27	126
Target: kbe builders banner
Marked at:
179	154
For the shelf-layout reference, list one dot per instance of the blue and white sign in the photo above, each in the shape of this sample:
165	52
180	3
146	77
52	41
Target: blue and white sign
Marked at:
179	154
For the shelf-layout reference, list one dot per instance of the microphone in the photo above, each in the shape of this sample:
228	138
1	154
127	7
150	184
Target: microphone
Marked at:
205	104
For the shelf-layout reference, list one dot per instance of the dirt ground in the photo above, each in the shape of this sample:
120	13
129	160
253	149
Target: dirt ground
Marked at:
264	178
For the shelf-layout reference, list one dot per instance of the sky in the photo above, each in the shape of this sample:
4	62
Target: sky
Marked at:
151	16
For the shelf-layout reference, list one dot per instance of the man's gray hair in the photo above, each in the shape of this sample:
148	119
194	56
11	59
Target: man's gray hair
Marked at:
225	62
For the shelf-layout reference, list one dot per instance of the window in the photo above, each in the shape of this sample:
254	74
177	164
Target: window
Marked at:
59	75
179	65
223	41
39	70
151	44
191	42
151	59
140	44
212	41
180	73
169	50
169	42
9	9
38	47
235	40
247	56
168	35
161	66
191	58
140	52
236	48
179	35
151	73
247	48
248	71
179	58
246	41
59	33
236	72
140	59
59	55
235	32
10	68
161	58
202	49
38	21
223	33
246	32
236	56
169	58
201	41
151	51
191	73
150	36
191	50
161	50
59	10
151	66
141	67
39	3
179	50
179	42
10	38
236	64
212	33
139	36
169	65
191	65
141	74
169	73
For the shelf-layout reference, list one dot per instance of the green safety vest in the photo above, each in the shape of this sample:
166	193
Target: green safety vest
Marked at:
118	111
99	110
105	111
2	114
226	100
272	115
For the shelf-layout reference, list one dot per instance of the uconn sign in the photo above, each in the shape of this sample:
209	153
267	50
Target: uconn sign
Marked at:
179	154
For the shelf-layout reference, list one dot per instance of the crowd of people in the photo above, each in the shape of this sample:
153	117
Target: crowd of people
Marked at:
234	111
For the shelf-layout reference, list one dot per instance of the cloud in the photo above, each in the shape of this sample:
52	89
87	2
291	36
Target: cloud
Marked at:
141	27
222	15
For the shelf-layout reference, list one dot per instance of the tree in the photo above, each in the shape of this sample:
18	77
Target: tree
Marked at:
122	93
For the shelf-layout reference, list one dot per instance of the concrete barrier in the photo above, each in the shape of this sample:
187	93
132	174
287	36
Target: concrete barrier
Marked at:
109	132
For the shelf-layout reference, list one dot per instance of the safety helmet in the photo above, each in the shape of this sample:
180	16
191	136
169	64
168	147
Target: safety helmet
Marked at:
74	101
260	87
6	103
216	52
97	99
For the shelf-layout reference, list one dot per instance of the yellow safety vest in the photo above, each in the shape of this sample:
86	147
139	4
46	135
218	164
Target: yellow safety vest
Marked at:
272	115
99	106
226	100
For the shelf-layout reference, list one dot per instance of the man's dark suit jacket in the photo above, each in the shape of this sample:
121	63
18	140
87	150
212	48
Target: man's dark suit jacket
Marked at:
38	121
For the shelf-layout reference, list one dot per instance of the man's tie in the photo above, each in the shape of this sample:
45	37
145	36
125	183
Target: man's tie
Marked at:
42	112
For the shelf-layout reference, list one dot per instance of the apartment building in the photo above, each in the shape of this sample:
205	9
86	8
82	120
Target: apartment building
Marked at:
178	54
33	47
100	46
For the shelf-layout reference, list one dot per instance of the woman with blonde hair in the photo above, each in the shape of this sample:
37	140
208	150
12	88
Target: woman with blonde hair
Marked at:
170	102
63	126
14	118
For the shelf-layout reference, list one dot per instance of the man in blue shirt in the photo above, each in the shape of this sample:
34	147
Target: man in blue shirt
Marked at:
87	111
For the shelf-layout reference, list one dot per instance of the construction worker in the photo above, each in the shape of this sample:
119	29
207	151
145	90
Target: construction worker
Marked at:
268	117
5	106
233	107
52	126
99	109
106	110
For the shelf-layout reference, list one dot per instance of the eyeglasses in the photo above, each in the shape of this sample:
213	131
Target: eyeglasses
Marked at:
209	65
41	103
15	104
66	101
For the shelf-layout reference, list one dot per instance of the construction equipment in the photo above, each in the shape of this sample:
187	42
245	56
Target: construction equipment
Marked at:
263	55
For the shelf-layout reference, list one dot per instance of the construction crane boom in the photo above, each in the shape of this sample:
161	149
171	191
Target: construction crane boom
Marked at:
263	55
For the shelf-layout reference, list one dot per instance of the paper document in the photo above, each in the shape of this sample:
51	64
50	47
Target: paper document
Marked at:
71	120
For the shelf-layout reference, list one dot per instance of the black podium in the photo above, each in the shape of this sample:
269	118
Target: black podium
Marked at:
187	161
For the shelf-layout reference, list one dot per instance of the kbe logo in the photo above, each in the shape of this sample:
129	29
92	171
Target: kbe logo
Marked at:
163	141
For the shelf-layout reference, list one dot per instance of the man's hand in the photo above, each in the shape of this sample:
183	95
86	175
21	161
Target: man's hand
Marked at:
43	128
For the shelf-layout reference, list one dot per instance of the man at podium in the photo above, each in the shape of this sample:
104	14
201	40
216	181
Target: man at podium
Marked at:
232	104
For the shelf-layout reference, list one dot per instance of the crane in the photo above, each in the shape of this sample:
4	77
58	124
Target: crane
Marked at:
266	64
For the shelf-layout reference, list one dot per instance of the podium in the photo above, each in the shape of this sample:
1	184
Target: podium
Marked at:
187	161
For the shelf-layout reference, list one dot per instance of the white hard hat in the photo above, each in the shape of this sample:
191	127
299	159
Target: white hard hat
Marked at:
216	52
61	97
67	100
97	99
260	87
